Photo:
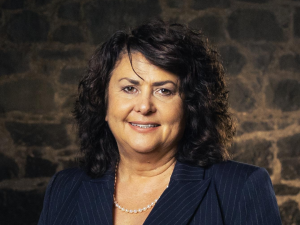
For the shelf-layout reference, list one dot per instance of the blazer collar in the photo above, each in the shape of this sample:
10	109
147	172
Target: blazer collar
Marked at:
185	172
177	203
183	196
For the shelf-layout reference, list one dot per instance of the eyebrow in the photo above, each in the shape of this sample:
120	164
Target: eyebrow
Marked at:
158	83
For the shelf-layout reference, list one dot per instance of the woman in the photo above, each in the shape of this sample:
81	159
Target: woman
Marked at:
154	129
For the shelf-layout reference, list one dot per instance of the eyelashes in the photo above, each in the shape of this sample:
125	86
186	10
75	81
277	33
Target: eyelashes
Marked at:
165	92
130	90
160	91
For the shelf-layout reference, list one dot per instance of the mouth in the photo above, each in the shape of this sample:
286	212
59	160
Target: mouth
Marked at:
144	126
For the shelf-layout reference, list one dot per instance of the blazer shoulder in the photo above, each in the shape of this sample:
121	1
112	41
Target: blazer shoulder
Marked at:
70	173
235	172
234	168
62	185
247	189
66	179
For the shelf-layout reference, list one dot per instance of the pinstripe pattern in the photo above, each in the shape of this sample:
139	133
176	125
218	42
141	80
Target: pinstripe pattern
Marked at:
225	193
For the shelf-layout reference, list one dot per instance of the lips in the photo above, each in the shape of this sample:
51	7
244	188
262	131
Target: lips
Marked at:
144	125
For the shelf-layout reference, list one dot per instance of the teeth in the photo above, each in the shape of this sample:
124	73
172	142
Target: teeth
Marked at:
144	126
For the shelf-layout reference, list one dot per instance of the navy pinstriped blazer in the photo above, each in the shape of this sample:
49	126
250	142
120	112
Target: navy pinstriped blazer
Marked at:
225	193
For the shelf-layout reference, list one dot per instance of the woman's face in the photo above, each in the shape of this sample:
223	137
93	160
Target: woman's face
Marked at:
145	111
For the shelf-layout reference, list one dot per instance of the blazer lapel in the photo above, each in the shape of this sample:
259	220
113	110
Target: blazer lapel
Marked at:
95	203
175	206
181	199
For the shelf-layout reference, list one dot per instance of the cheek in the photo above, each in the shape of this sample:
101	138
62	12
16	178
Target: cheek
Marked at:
177	113
179	122
118	108
174	115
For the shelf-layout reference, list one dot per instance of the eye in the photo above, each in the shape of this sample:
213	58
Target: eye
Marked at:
165	91
130	89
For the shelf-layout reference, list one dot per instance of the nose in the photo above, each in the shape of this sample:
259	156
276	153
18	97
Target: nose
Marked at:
145	104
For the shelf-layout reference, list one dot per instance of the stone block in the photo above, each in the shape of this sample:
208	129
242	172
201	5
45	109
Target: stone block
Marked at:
256	152
68	35
249	126
254	1
254	25
70	11
70	164
211	26
175	3
38	167
289	212
290	168
126	14
71	75
61	55
284	95
281	189
240	97
262	62
28	26
54	135
13	4
8	168
289	147
290	62
204	4
31	96
20	207
13	62
42	2
69	105
297	22
67	152
233	60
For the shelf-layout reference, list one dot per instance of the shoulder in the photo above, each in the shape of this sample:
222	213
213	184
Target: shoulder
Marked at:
234	169
62	185
237	173
70	174
245	189
65	180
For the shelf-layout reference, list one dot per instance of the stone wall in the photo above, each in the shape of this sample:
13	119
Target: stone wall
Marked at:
44	48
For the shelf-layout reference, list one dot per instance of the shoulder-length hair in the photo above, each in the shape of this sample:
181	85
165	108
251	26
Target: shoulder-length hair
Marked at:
176	49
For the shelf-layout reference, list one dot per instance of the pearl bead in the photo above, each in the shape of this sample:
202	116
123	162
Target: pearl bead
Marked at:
127	210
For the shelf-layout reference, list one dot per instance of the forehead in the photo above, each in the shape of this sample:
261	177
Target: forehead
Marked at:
140	68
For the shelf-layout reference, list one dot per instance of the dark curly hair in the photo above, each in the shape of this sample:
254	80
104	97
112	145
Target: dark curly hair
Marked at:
176	49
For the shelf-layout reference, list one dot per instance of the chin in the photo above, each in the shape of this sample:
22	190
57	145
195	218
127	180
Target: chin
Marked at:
143	149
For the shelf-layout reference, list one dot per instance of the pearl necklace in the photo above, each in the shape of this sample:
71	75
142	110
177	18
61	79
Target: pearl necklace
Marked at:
117	205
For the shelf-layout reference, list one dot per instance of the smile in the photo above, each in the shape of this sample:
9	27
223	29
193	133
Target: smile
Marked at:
145	126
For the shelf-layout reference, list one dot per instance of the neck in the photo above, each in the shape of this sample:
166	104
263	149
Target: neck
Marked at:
129	169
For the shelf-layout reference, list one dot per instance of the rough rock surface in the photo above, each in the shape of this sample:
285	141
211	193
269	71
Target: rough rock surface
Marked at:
45	46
